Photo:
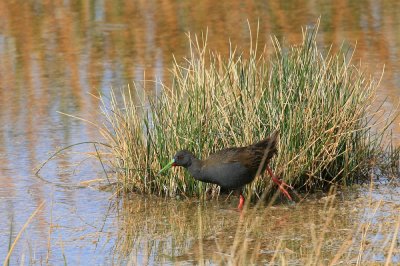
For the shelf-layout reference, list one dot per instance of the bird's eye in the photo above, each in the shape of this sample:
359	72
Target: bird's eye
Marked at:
180	157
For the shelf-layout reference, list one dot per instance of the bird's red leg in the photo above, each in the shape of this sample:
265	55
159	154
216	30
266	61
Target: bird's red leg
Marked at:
280	183
241	202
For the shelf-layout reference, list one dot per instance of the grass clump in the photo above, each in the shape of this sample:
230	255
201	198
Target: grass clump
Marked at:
319	101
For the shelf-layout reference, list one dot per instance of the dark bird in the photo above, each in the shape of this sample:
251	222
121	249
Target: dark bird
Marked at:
232	168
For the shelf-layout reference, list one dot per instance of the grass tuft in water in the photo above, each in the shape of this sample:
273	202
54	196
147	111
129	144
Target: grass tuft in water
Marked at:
319	101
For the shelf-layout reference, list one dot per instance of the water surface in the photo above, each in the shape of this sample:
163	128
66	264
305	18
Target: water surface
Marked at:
54	54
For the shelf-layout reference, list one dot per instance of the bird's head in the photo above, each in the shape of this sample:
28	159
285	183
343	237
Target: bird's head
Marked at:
182	158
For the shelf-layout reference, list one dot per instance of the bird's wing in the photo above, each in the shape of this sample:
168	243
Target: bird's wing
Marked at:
230	155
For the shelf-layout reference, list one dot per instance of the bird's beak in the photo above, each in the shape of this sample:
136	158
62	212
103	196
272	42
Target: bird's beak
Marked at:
171	163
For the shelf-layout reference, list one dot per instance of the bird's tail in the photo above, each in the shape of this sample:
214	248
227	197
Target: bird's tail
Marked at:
269	143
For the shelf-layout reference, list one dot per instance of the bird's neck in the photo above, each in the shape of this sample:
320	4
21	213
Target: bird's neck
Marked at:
195	169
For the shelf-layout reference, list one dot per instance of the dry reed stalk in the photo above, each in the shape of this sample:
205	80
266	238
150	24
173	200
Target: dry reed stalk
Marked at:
39	208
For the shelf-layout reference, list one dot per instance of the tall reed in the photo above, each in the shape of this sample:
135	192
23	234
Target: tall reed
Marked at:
318	100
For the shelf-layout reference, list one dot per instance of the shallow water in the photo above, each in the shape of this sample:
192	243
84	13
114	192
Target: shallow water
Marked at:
214	233
53	55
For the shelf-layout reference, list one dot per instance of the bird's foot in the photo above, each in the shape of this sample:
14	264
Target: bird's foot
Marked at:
241	203
280	184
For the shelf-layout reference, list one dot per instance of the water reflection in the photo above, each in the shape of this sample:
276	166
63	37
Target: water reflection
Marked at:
54	54
154	231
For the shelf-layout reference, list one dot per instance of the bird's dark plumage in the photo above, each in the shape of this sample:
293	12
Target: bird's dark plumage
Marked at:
232	167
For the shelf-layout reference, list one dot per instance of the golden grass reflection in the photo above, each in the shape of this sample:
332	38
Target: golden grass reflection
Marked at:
317	230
